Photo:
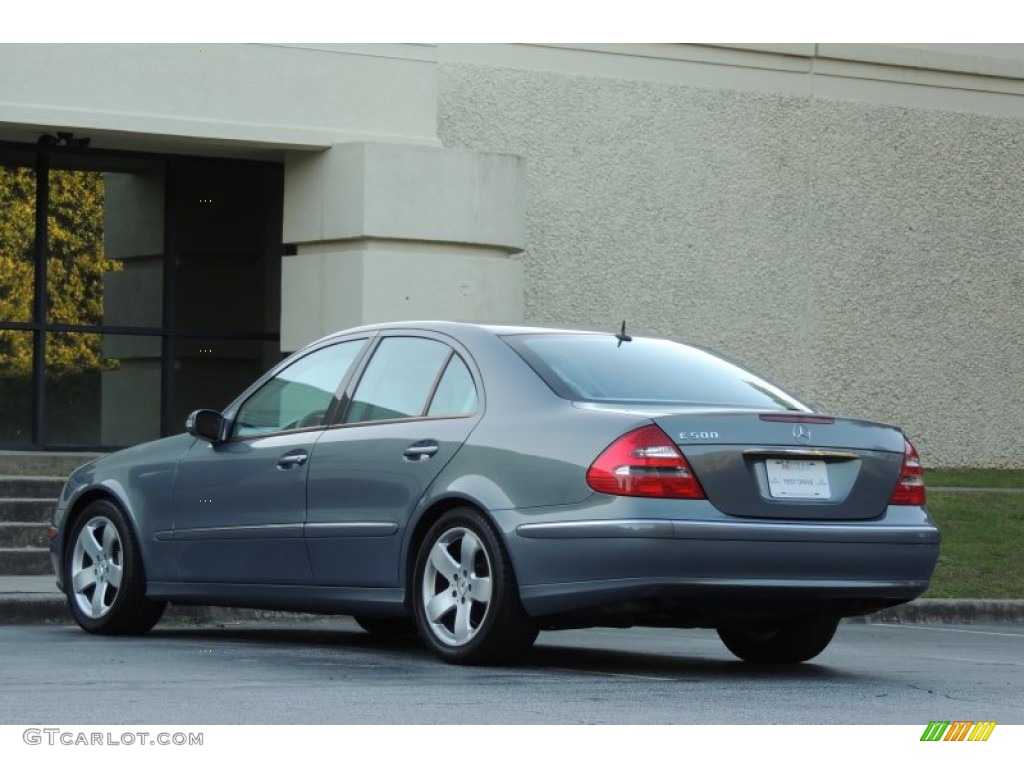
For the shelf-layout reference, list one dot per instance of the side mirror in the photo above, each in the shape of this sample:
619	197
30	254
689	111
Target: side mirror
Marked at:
207	424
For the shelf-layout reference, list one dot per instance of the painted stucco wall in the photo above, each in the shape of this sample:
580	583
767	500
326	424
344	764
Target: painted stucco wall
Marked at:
866	256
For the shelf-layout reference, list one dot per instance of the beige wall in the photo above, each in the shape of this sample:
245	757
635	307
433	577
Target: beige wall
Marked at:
865	254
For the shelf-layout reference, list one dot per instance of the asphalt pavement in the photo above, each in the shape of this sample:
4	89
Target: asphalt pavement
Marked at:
329	671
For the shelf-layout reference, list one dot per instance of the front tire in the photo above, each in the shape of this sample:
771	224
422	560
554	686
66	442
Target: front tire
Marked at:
787	644
465	596
104	577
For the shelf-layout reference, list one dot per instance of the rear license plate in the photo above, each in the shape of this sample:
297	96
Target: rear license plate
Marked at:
797	479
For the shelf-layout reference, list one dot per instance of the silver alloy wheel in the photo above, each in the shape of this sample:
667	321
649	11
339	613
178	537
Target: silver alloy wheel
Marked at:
456	588
97	566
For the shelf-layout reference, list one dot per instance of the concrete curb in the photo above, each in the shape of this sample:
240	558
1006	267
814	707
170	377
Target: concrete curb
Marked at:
51	608
945	611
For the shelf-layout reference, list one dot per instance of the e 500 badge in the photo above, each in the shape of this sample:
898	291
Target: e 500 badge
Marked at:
698	435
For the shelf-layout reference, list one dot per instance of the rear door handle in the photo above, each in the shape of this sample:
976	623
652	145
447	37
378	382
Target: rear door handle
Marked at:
421	451
294	458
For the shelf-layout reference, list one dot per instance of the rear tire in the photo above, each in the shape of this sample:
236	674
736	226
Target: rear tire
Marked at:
104	578
464	593
788	644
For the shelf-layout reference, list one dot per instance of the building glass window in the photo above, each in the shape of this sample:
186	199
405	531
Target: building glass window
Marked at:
102	389
17	236
117	271
15	388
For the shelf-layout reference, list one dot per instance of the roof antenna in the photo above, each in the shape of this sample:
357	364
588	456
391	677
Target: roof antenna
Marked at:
621	335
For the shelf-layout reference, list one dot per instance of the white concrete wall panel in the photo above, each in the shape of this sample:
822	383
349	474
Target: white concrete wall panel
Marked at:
263	95
866	256
405	192
332	286
399	232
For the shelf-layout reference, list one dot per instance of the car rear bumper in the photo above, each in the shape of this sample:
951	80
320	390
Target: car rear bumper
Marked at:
707	567
703	530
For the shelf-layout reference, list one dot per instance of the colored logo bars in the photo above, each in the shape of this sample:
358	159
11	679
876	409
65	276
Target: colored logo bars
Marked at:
958	730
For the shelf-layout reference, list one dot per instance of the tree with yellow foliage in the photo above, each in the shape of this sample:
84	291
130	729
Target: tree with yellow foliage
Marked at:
75	266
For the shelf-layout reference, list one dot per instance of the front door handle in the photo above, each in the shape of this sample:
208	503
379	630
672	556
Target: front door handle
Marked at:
293	459
421	451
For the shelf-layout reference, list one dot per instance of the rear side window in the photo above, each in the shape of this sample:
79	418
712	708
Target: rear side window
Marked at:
456	393
598	368
397	380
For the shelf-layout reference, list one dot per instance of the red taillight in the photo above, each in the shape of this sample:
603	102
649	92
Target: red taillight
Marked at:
644	462
910	488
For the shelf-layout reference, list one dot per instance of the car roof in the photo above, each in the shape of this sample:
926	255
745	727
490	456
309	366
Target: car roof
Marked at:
457	329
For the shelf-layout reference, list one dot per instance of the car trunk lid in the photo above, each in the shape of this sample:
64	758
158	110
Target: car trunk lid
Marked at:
789	465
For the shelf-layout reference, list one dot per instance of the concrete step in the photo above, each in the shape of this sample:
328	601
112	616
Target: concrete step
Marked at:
26	510
30	486
34	609
57	464
16	535
25	561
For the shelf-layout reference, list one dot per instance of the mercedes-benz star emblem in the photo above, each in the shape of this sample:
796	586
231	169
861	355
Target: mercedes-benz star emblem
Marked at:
801	434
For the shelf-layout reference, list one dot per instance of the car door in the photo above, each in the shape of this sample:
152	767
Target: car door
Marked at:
239	505
413	407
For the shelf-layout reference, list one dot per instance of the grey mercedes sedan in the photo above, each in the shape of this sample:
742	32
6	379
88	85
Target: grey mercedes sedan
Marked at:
477	484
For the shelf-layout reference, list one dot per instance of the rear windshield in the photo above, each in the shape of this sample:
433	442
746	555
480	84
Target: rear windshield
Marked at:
596	368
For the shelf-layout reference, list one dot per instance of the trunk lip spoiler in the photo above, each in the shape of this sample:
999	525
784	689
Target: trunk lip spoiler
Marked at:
797	418
798	452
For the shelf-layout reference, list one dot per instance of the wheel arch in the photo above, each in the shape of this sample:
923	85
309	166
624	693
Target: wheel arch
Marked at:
431	515
503	631
77	509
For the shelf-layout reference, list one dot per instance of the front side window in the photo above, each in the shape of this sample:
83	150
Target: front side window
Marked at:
300	396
